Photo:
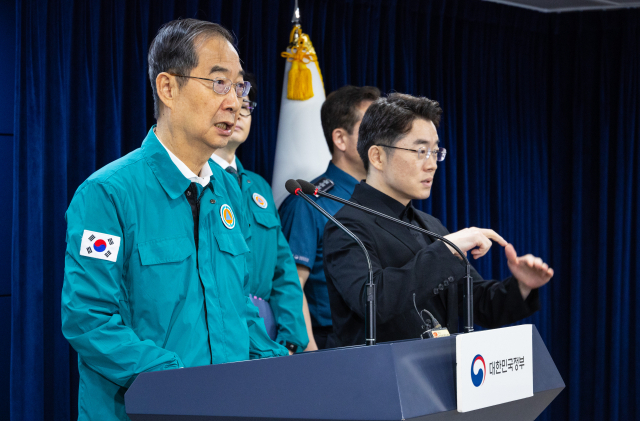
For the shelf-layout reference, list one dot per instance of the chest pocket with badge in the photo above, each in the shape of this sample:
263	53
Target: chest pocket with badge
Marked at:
230	239
262	213
229	264
231	242
265	218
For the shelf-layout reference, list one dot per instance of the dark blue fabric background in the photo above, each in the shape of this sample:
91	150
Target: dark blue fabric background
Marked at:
7	65
541	120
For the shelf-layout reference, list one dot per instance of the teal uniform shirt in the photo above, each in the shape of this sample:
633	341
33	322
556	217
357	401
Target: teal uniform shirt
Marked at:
272	271
138	295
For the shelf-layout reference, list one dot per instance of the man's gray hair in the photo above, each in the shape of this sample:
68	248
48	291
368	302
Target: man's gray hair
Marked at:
174	50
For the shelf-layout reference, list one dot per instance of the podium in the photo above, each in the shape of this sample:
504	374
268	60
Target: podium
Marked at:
406	380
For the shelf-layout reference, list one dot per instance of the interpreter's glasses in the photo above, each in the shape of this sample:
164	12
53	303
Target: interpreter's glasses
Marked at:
424	153
221	85
247	108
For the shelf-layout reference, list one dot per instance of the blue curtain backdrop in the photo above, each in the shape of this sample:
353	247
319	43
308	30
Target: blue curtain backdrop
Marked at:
541	118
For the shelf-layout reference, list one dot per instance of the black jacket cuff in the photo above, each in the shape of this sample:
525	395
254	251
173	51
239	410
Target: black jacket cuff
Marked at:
524	308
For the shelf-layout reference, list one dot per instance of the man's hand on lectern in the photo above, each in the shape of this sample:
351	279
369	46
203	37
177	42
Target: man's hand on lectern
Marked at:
530	271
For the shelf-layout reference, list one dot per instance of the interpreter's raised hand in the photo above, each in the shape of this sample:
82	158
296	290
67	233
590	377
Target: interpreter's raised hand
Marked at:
478	240
530	271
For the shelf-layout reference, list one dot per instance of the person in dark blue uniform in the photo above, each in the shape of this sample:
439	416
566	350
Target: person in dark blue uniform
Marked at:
303	226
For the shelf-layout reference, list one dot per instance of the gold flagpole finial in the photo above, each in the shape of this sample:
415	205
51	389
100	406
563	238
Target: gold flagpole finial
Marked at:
300	53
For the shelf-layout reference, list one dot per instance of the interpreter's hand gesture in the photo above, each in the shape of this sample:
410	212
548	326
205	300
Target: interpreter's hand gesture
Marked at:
478	240
530	271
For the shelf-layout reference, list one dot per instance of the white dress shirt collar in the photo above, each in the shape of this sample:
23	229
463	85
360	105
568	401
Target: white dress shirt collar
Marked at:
205	172
223	162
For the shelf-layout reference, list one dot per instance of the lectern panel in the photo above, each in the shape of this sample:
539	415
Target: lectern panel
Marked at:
390	381
354	383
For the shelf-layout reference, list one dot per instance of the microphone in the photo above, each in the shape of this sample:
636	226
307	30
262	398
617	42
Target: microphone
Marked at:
293	187
309	188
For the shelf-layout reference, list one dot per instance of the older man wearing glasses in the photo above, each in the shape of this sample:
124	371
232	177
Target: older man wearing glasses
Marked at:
156	261
273	278
399	146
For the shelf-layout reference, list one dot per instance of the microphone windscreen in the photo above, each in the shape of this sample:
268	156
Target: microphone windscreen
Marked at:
291	186
307	188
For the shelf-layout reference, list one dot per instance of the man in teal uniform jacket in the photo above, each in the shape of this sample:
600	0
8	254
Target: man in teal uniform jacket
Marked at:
273	276
155	266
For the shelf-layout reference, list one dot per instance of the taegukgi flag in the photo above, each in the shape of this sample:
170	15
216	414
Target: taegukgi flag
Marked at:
301	150
99	245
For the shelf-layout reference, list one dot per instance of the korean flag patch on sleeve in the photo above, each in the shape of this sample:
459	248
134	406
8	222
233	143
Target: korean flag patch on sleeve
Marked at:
100	246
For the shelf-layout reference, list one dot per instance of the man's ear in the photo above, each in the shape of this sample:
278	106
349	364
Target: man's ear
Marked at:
377	158
167	88
339	139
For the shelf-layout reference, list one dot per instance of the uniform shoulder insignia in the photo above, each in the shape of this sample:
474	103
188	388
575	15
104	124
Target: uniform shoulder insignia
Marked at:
324	184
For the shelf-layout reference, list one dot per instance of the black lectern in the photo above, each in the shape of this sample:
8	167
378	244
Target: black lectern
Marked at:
407	380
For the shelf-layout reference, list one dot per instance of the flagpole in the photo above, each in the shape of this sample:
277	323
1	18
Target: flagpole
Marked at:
301	149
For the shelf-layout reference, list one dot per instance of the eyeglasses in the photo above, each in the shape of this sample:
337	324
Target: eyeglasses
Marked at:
247	108
222	85
424	153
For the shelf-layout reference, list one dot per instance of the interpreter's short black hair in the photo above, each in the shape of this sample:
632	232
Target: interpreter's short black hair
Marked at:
174	50
389	119
340	110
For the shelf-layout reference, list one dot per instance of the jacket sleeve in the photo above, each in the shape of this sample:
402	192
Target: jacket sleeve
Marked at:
499	303
92	291
495	303
286	298
299	226
260	344
346	267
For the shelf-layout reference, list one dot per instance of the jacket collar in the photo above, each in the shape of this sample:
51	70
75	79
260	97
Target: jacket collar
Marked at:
240	168
202	179
341	179
374	199
223	162
245	177
247	182
172	180
169	176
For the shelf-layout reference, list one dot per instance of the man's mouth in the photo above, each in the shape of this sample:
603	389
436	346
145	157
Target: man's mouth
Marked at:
224	126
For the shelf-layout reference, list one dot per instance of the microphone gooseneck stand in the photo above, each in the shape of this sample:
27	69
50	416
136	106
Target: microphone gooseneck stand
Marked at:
370	288
309	188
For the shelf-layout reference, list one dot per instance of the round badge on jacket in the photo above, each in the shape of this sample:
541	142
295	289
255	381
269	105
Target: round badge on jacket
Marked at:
260	200
227	216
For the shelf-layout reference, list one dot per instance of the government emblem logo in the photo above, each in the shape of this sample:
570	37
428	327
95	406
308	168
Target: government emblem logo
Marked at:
260	200
478	378
227	216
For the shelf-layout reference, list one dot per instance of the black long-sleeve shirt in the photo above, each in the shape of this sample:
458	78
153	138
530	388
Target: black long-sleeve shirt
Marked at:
405	262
